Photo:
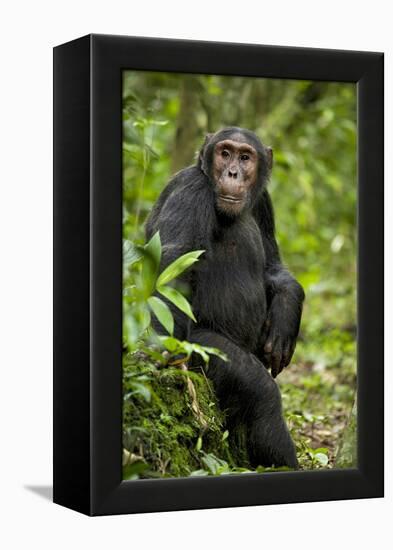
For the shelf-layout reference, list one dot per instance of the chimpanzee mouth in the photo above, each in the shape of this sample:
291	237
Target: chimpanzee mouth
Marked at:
230	199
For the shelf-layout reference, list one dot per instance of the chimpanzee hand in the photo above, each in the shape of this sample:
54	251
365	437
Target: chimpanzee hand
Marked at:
279	336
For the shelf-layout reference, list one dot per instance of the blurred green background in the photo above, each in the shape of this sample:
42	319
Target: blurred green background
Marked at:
312	129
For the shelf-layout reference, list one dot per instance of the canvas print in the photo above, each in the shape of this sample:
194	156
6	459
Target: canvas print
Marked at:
239	275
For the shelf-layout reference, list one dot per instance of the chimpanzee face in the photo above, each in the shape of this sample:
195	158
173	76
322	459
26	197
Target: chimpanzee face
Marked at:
235	173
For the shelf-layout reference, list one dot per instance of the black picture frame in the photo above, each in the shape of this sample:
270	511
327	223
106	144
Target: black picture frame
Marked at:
88	274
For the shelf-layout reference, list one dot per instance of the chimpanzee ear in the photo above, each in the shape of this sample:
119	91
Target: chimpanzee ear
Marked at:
269	155
201	163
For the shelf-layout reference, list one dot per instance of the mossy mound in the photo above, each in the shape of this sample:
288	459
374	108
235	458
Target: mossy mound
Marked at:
172	426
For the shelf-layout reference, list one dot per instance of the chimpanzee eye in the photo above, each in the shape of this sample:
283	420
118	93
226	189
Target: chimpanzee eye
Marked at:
244	157
225	153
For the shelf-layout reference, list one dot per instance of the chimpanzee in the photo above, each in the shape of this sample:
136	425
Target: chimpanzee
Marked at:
246	303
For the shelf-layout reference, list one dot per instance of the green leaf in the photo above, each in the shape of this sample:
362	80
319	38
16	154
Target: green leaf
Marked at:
177	299
205	351
132	471
322	450
225	435
195	348
170	343
135	322
213	464
139	389
131	254
173	345
162	312
159	122
321	458
178	266
144	318
155	355
130	329
196	473
153	247
151	263
140	123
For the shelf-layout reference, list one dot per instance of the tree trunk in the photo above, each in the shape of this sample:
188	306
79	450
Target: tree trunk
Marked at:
187	131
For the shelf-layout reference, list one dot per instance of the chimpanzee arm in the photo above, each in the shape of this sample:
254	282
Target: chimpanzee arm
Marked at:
182	215
284	297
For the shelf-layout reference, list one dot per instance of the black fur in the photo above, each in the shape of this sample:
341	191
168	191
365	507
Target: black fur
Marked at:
241	295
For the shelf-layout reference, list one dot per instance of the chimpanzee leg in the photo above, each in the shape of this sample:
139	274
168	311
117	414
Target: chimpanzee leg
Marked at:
249	394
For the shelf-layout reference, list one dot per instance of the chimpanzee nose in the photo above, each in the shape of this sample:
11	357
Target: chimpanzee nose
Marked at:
232	173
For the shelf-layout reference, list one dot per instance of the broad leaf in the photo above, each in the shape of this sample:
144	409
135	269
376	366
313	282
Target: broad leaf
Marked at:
144	319
321	458
173	345
177	299
202	350
151	263
213	464
196	473
170	343
132	471
178	266
136	321
153	247
131	254
162	312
